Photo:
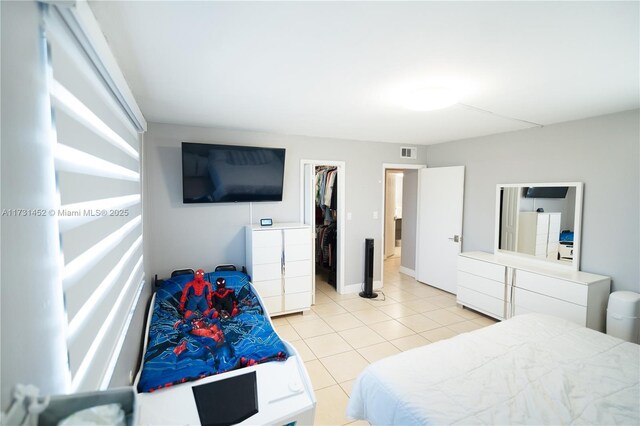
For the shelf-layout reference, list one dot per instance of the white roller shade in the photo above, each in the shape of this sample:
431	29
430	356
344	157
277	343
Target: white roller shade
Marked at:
96	137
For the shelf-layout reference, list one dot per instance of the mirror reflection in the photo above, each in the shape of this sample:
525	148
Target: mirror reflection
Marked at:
539	221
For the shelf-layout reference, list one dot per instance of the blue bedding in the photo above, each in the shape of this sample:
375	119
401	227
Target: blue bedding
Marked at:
180	350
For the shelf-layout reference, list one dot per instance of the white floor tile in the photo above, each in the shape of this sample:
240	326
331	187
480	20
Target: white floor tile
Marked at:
381	350
410	342
328	344
332	406
438	334
419	323
361	336
342	322
320	377
312	328
344	366
391	330
370	316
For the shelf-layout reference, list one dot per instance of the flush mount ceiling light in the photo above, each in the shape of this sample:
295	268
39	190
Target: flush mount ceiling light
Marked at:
428	98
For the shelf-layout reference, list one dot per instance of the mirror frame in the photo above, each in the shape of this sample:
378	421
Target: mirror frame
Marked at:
577	232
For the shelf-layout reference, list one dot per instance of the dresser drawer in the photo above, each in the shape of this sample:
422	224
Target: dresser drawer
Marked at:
480	268
273	305
263	255
297	285
527	301
481	302
543	223
272	238
553	287
297	252
297	269
297	301
267	272
297	236
481	284
268	288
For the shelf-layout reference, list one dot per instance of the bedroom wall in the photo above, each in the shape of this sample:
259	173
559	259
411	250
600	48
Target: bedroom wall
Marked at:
180	235
603	152
409	221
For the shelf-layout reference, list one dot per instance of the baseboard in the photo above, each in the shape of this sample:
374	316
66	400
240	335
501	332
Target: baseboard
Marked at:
357	287
407	271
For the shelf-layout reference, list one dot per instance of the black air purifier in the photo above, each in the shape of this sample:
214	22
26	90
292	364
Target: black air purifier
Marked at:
368	270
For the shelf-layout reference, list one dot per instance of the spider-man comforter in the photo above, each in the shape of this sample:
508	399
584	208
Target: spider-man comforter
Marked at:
179	351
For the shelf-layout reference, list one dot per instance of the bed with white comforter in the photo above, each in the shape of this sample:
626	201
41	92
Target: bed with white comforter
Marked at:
531	369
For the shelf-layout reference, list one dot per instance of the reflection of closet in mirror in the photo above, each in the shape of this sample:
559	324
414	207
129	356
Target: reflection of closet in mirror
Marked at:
540	221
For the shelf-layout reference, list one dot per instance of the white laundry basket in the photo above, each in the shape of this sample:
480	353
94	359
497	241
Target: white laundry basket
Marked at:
623	315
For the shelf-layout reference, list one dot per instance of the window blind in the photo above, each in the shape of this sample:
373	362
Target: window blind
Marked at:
97	144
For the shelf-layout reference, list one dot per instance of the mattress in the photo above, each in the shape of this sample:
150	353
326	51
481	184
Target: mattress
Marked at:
531	369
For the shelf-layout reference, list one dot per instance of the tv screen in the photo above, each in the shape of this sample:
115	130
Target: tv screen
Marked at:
546	192
230	173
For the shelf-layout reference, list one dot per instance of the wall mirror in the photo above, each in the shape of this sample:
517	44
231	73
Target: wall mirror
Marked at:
540	221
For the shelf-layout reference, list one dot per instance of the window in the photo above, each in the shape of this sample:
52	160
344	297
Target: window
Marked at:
97	133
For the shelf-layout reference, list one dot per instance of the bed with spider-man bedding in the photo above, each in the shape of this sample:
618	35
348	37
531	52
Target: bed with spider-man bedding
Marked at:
183	351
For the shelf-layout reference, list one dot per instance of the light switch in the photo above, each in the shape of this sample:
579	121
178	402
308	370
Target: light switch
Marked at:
375	215
349	216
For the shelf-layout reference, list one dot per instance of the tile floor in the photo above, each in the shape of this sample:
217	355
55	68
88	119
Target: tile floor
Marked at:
342	334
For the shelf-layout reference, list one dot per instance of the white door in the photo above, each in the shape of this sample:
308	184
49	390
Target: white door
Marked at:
389	214
440	201
509	224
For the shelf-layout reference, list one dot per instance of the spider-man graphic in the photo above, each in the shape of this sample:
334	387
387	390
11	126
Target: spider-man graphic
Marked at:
196	297
224	299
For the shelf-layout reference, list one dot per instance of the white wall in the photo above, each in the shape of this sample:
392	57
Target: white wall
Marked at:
186	235
603	152
409	219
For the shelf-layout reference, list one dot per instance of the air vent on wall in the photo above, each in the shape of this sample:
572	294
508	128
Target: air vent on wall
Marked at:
410	152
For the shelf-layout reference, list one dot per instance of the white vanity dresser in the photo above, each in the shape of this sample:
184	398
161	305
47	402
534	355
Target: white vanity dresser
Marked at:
503	287
512	281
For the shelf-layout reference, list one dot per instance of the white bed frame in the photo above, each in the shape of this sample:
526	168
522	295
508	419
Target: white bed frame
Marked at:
285	394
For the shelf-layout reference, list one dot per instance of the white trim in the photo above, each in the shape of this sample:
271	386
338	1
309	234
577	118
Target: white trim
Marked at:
407	271
395	166
341	216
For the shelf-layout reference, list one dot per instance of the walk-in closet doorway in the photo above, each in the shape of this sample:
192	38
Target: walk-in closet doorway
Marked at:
322	195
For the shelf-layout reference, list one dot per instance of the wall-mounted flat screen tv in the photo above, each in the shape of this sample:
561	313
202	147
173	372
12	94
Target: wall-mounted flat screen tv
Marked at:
546	192
229	173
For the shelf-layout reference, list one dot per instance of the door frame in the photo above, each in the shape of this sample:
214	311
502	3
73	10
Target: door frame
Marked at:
385	167
340	218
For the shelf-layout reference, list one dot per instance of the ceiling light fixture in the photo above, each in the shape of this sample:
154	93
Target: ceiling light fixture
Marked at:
428	98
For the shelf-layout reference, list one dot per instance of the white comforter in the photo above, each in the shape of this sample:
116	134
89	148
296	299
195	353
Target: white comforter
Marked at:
531	369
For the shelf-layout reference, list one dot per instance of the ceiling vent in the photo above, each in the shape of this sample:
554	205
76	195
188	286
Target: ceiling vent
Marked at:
410	152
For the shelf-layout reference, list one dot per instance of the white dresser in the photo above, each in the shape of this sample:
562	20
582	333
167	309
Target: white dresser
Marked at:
279	260
539	234
502	287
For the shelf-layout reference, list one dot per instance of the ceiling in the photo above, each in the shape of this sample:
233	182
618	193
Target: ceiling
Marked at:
330	69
